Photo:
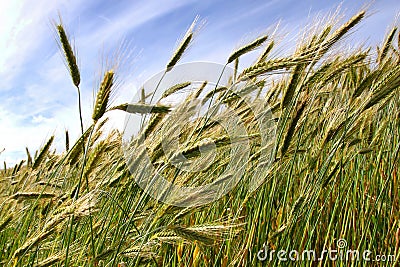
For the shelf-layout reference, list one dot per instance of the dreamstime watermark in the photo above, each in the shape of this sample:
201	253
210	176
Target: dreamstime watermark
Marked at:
341	253
196	171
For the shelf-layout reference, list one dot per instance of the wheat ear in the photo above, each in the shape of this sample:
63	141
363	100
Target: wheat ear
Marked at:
247	48
142	108
175	88
43	153
387	44
69	55
184	44
103	95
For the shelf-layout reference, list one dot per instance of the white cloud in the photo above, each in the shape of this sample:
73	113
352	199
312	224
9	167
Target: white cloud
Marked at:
24	29
38	119
131	17
9	12
33	110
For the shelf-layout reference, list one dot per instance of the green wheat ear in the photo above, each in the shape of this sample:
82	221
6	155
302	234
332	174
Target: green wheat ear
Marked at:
66	140
43	153
247	48
142	108
28	154
175	88
386	45
183	45
266	52
179	52
69	55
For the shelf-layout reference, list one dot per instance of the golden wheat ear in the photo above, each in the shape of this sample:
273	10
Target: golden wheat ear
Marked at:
103	95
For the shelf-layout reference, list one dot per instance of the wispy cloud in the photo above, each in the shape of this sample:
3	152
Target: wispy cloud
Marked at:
30	77
23	31
129	18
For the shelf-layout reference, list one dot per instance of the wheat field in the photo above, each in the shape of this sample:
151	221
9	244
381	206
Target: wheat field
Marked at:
330	173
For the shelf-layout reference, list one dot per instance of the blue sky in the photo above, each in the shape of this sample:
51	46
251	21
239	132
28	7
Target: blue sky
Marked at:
37	96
